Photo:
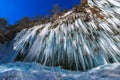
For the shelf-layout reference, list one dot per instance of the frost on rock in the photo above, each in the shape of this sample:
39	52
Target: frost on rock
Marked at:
78	40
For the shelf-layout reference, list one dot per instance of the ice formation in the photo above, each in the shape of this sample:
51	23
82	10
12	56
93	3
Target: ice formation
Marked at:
20	71
77	40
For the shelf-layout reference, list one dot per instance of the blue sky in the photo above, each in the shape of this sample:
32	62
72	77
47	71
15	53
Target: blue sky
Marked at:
13	10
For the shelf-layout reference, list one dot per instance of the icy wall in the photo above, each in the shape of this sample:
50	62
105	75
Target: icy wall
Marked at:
77	40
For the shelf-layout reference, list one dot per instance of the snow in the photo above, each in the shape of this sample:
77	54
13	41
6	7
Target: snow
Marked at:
34	71
66	14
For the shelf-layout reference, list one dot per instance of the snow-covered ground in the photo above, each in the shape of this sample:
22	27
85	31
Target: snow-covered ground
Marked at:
34	71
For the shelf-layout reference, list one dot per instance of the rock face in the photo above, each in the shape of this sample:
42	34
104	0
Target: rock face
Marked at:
77	40
33	71
3	39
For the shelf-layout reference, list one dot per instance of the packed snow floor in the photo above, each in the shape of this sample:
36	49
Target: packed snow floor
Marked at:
34	71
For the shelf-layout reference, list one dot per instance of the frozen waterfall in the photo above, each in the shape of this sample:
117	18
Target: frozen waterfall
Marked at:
77	40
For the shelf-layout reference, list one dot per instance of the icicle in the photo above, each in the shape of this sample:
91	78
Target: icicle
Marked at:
72	44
